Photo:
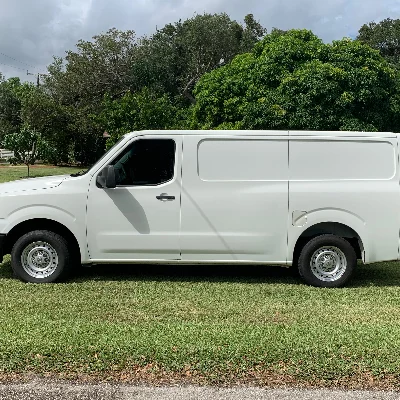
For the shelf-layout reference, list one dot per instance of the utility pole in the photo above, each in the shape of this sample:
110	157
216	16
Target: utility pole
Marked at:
38	76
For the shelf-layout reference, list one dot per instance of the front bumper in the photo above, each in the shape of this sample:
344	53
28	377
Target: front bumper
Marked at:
2	244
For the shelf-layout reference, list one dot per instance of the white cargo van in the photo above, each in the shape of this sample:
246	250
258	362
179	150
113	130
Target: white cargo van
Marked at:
317	199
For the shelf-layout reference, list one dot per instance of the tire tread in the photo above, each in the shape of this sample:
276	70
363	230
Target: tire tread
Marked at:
322	240
55	240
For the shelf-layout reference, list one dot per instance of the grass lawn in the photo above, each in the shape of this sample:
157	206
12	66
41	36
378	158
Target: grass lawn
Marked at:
219	324
10	173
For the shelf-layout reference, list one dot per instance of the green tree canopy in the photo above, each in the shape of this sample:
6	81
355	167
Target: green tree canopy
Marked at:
100	66
295	81
138	111
179	54
165	65
25	104
27	145
383	36
170	61
10	106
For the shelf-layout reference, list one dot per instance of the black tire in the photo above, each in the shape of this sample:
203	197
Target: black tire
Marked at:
48	249
337	261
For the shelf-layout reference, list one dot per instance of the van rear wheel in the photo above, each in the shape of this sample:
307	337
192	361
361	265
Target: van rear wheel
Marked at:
40	257
327	261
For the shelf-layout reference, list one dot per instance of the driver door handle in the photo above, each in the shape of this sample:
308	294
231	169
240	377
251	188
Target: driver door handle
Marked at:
165	197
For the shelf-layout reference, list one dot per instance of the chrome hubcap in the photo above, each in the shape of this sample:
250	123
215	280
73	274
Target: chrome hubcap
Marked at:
39	259
328	263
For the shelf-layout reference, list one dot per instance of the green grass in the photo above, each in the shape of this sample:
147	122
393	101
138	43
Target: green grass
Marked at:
220	322
226	324
10	173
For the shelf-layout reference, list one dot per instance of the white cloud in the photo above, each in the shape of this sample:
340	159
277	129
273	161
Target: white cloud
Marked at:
34	31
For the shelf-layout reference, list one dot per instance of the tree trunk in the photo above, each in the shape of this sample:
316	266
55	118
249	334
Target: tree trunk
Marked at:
186	91
189	96
28	169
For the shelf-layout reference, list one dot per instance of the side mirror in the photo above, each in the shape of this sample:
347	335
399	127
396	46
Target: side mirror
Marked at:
106	178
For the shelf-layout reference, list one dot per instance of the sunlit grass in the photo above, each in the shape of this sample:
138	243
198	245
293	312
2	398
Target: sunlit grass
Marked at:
217	321
214	320
10	173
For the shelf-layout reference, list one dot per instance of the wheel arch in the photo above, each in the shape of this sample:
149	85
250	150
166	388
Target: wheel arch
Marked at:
333	228
42	224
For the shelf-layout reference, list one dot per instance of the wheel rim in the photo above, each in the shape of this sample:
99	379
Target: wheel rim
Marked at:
328	263
39	259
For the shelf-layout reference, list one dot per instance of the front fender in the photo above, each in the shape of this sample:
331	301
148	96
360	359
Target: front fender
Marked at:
51	213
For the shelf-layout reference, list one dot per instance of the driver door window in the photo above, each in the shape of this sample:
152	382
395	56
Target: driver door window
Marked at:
146	162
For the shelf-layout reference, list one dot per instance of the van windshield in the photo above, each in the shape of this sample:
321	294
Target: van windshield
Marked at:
83	172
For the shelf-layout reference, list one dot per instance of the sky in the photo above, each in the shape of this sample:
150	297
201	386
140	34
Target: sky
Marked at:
33	31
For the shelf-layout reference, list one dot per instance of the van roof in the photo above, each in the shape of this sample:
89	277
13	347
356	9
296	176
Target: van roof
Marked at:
265	133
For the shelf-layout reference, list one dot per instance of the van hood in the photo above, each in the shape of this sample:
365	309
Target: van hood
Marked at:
23	185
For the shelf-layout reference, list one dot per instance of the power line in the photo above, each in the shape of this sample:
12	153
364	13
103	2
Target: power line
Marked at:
21	62
38	75
13	66
22	69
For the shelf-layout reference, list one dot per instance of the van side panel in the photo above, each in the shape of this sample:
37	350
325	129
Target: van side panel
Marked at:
234	198
351	181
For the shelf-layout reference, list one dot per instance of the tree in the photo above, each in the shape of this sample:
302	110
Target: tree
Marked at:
27	145
100	66
253	31
53	120
113	64
138	111
74	90
25	104
295	81
170	61
383	36
179	54
10	106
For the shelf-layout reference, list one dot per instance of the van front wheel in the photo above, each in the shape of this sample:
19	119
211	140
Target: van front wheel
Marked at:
327	261
40	257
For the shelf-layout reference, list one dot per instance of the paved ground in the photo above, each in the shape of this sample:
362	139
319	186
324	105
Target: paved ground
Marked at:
60	391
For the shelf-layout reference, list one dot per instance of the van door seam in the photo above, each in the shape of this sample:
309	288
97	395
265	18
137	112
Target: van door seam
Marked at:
180	201
288	201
